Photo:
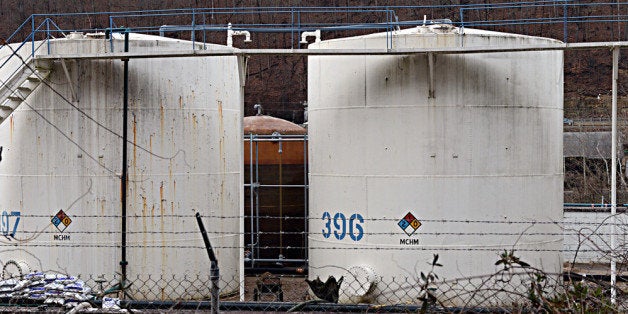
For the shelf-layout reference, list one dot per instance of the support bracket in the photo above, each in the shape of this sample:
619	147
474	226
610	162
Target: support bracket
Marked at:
70	83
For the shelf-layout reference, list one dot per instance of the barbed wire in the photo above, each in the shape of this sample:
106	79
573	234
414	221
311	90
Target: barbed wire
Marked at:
562	224
391	233
349	247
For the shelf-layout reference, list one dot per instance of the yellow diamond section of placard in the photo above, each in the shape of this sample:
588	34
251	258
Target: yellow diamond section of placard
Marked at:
66	221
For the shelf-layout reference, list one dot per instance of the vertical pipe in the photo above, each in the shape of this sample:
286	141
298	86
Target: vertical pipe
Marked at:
257	196
391	26
251	203
618	22
388	31
298	27
306	215
614	173
204	32
565	22
462	20
280	200
111	32
193	35
242	63
123	178
292	28
214	277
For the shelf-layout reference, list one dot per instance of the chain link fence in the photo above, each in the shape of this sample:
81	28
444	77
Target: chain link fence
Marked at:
511	289
515	283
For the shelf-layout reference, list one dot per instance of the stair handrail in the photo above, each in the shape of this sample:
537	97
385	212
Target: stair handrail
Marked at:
25	60
30	38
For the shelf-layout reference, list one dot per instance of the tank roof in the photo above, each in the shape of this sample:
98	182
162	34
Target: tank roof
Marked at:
267	125
444	30
137	42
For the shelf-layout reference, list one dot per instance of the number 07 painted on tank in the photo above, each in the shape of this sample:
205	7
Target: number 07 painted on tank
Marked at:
6	224
355	232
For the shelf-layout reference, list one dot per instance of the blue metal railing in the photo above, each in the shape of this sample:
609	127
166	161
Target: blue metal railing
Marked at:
351	19
565	19
295	26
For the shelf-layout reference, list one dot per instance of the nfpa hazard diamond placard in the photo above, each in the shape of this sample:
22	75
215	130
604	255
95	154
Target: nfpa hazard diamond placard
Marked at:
61	220
409	224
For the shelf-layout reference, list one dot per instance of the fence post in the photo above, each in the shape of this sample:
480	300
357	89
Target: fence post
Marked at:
214	272
613	219
124	176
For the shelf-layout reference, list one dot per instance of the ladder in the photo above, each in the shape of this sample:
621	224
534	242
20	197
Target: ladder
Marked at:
21	84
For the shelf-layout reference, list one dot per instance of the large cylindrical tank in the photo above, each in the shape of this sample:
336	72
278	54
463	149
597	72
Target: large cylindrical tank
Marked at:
275	166
452	154
62	157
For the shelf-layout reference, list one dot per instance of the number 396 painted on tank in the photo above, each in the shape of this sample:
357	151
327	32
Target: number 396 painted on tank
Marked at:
338	226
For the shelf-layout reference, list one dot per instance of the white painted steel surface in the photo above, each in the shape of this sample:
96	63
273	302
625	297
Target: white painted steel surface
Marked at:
484	152
185	155
587	235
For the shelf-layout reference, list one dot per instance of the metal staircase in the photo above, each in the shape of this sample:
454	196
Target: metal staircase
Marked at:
21	84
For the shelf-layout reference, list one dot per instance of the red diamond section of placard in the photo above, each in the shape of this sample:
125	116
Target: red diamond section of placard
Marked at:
410	218
61	215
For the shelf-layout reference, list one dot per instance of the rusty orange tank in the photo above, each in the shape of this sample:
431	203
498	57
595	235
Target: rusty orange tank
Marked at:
279	175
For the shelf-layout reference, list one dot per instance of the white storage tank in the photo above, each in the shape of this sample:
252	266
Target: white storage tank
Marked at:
62	156
400	170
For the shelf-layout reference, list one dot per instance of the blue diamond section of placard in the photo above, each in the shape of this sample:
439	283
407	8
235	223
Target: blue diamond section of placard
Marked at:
403	224
56	221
